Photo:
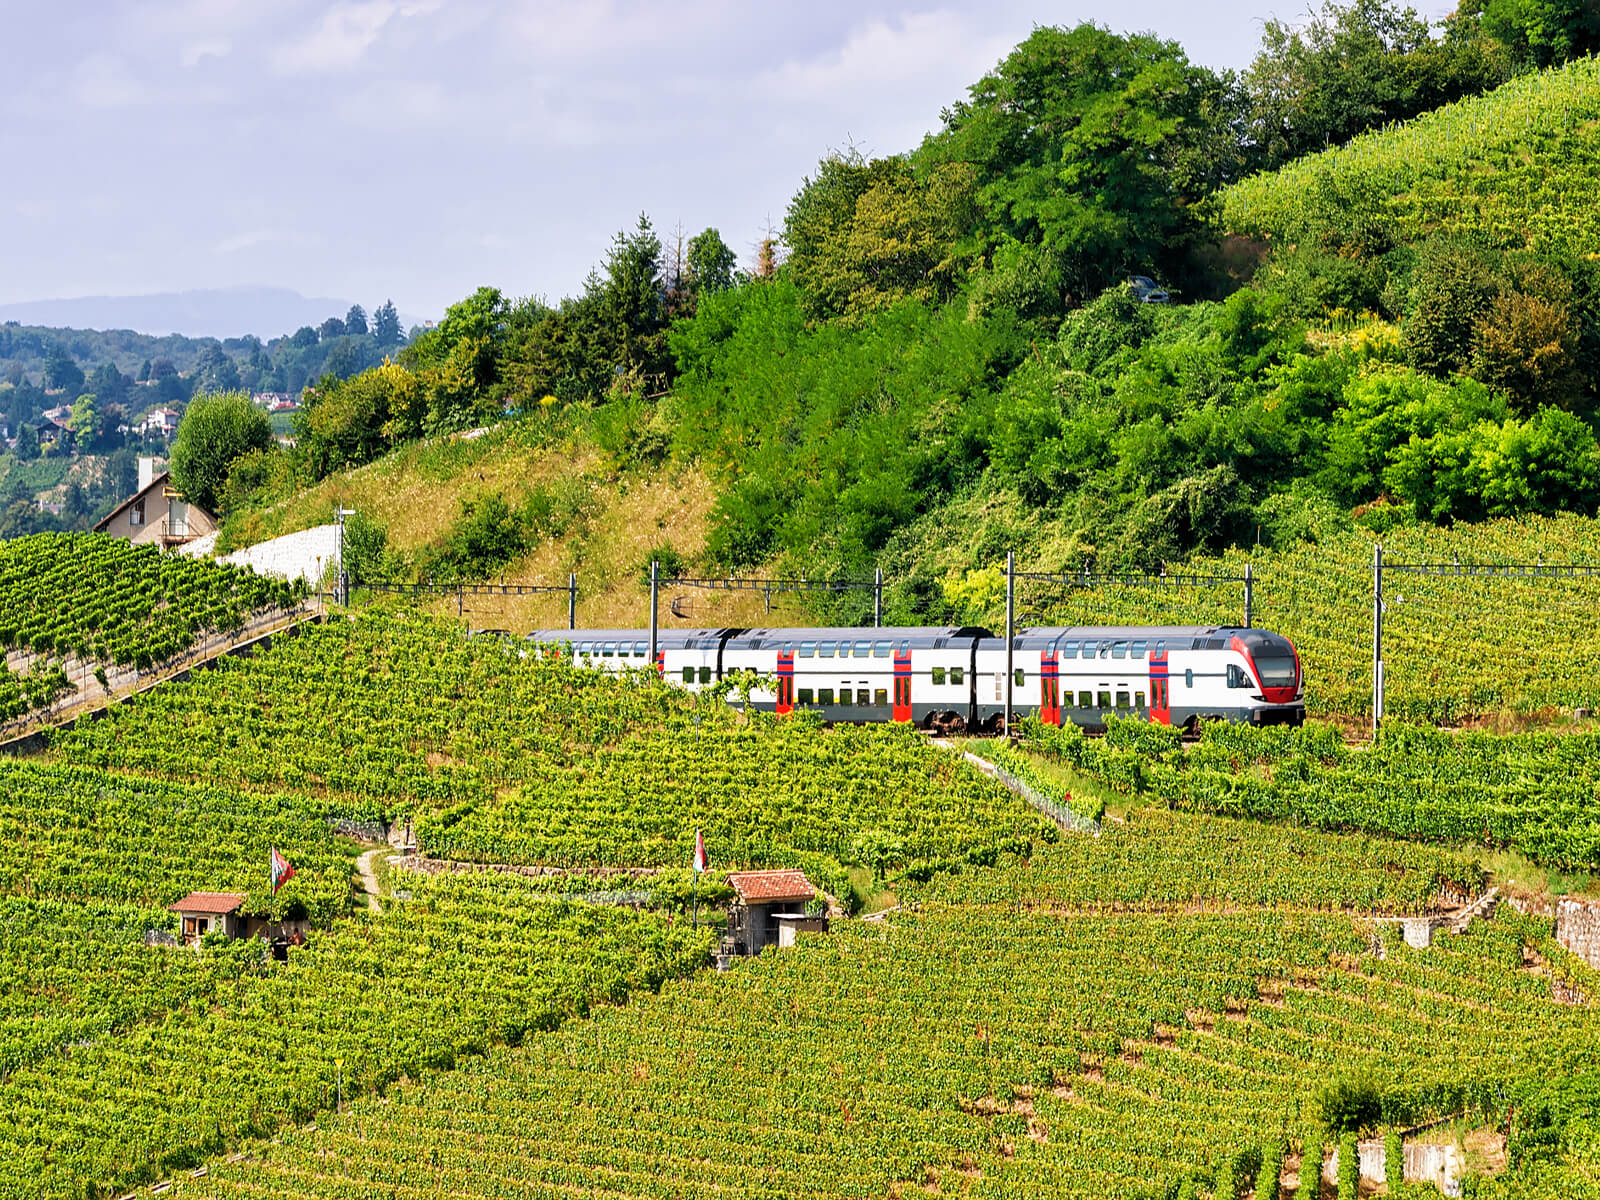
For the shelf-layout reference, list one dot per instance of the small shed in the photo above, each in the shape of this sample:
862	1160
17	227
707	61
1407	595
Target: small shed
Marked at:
770	908
202	912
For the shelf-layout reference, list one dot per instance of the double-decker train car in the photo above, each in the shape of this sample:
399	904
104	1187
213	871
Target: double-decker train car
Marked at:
954	679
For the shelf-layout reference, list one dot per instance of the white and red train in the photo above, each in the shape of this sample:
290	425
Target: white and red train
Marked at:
955	679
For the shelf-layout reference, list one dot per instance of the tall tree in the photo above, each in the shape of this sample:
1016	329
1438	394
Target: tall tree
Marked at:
710	265
386	324
1082	146
215	430
632	300
1538	33
331	328
60	371
355	321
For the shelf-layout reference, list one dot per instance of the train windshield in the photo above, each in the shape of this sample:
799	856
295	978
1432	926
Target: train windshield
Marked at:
1276	672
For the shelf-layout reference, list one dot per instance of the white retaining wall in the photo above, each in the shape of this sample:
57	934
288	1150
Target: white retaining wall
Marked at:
304	555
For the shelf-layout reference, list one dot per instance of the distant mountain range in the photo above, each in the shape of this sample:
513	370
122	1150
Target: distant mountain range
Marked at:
267	312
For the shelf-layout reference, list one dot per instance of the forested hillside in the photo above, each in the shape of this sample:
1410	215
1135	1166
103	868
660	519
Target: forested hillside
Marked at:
942	344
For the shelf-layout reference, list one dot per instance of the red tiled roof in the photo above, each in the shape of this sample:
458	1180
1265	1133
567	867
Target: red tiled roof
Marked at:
208	902
764	886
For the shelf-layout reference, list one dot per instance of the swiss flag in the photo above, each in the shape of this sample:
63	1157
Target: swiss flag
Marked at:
699	852
282	870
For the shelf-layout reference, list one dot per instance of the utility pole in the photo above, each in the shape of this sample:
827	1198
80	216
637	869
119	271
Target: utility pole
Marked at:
572	601
1377	637
655	591
1249	592
877	599
342	512
1011	633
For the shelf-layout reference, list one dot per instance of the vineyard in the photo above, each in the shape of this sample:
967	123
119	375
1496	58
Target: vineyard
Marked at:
1516	166
1532	793
103	600
991	1054
504	757
1454	647
237	1046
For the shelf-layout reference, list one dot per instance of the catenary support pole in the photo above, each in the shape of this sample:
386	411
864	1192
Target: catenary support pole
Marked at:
1249	593
655	591
877	598
1011	632
572	601
1377	637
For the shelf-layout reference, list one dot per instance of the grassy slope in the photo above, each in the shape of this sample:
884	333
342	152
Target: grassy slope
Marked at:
417	493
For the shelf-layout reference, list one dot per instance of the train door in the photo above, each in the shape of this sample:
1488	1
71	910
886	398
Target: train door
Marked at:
661	661
785	682
902	684
1050	688
1160	697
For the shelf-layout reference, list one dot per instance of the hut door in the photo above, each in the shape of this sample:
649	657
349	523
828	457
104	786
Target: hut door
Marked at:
902	685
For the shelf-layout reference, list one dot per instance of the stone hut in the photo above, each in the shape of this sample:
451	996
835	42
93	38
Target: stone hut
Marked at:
771	908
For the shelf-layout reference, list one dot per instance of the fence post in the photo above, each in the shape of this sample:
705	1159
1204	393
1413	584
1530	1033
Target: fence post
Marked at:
1011	588
655	591
1377	636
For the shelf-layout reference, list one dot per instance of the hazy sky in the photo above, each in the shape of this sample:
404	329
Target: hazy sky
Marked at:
415	149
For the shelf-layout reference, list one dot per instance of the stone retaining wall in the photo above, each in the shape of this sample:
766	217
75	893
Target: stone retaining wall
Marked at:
1578	929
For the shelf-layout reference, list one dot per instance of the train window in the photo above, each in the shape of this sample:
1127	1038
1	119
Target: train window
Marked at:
705	674
845	695
938	677
1105	699
586	648
1068	650
825	696
688	674
1161	648
880	697
862	649
807	649
863	696
1138	699
805	696
957	674
788	648
1236	676
1138	650
1019	677
882	649
905	648
1119	649
1122	699
1188	678
1085	699
609	651
1088	649
1105	650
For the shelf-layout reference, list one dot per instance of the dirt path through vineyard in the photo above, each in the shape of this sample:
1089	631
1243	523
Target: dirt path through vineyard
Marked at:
369	879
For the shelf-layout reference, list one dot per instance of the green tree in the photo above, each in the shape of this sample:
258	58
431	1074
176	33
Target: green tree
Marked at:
216	429
355	321
84	420
1538	33
215	371
710	262
632	296
386	325
304	338
27	445
1083	144
60	371
1352	67
331	328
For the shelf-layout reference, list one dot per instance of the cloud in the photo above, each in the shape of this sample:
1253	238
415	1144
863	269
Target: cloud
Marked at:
340	40
251	238
104	81
202	48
